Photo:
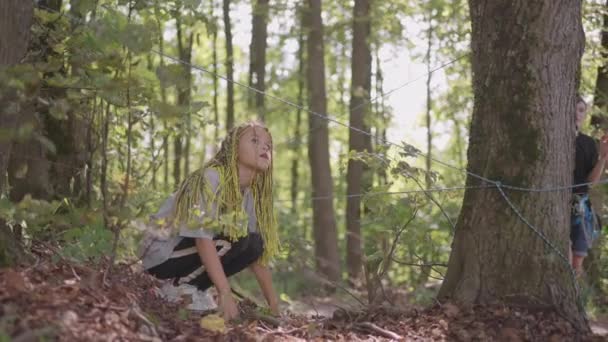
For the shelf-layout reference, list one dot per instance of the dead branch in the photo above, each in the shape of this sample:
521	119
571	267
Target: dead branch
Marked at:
380	331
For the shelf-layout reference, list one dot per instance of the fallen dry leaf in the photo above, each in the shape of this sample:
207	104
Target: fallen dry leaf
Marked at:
213	323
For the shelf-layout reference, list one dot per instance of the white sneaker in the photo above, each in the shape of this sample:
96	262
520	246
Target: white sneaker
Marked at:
202	301
198	300
170	292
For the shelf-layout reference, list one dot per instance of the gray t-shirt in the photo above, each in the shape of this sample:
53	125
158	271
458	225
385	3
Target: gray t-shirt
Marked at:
161	238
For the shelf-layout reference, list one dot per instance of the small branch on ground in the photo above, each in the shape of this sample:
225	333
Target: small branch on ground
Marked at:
380	331
137	313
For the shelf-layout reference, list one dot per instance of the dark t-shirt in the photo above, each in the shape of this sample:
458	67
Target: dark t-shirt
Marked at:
586	157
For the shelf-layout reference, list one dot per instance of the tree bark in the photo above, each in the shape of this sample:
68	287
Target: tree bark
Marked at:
357	141
216	116
15	22
525	58
297	136
601	84
182	144
429	103
325	233
229	66
380	112
163	98
257	55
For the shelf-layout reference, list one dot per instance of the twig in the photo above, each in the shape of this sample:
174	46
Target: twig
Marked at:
117	229
394	245
74	273
284	332
135	311
380	331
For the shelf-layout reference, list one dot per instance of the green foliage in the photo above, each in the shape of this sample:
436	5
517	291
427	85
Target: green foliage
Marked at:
87	243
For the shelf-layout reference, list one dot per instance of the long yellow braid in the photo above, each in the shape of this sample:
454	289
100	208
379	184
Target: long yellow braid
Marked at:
229	217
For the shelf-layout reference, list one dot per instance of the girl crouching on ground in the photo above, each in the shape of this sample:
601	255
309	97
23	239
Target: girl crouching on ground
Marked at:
218	223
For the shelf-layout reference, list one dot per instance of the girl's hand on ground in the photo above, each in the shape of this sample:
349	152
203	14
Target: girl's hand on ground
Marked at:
228	307
274	309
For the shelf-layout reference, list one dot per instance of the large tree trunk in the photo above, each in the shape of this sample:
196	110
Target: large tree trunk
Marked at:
15	22
29	169
52	173
601	84
229	66
257	55
324	222
526	57
357	141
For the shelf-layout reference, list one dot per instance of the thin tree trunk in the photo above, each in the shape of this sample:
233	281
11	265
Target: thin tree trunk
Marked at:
129	129
425	271
166	157
358	142
184	92
297	136
324	222
229	66
380	110
103	179
163	98
429	105
90	153
522	133
257	55
152	132
216	115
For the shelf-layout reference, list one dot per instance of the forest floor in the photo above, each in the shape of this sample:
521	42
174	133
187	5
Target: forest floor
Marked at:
73	302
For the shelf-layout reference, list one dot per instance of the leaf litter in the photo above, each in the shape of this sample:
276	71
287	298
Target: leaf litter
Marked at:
69	302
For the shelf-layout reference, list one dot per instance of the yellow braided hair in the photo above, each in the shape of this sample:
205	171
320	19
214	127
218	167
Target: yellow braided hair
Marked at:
229	217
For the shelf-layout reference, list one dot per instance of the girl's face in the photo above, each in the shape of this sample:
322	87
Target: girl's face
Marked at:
581	113
255	149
